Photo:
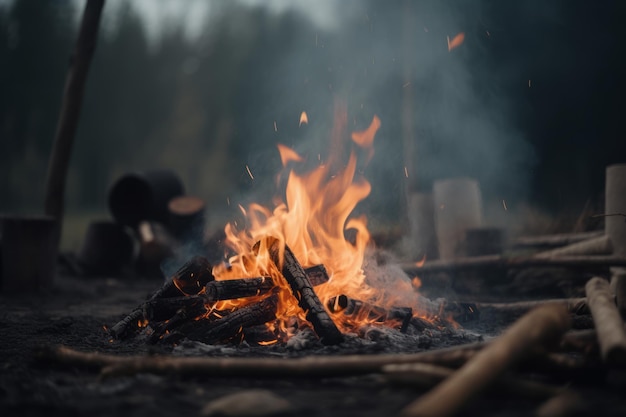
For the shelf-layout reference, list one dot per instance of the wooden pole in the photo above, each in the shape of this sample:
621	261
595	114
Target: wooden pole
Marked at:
70	111
538	328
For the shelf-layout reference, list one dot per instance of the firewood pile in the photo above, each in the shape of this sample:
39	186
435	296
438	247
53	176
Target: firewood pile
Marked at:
184	307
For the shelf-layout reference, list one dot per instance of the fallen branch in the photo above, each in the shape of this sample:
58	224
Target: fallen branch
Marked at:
540	327
607	320
268	367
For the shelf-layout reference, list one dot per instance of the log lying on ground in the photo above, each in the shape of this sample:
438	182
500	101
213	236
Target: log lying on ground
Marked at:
426	375
553	241
302	290
231	325
194	274
597	246
540	327
268	367
519	308
497	261
237	288
352	307
609	324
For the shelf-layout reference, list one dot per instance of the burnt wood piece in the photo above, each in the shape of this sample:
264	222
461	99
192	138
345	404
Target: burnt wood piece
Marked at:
317	275
538	329
608	322
302	290
231	325
352	307
162	309
183	315
237	288
192	276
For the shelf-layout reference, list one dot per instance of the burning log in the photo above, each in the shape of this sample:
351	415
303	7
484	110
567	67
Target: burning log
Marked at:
268	367
317	275
237	288
609	324
540	327
302	290
351	307
426	375
189	279
232	324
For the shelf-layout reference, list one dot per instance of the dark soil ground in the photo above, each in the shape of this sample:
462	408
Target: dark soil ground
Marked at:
77	310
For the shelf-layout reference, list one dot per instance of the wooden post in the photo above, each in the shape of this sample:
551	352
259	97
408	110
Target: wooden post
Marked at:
458	207
70	112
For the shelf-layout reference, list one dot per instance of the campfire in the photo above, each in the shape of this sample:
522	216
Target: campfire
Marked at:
299	265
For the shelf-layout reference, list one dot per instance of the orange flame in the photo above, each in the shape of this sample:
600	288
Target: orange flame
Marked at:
304	119
315	220
456	41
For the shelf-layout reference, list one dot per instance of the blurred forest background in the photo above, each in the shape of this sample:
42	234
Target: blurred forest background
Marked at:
531	104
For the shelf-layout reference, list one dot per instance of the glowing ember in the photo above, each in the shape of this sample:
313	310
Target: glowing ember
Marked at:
456	41
304	119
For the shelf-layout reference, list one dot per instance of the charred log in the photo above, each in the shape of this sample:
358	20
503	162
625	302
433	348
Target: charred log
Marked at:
183	315
189	279
237	288
231	325
352	307
162	309
302	290
317	274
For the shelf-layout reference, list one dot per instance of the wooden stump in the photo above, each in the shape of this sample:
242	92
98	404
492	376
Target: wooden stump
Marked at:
29	252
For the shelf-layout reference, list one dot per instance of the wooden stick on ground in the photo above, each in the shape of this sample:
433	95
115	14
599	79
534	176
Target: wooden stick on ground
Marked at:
609	324
497	261
538	328
268	367
302	290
